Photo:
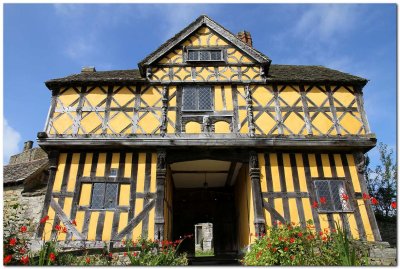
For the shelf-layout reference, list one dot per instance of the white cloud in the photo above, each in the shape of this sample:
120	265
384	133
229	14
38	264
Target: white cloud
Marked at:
11	139
79	49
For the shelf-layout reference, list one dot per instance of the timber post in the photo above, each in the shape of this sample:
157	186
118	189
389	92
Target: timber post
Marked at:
254	172
53	160
164	110
160	189
249	107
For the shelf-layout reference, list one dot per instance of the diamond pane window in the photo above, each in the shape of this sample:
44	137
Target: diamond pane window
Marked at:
335	194
197	98
205	55
104	195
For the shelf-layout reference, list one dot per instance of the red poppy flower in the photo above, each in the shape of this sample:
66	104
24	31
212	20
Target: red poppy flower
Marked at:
73	222
7	259
321	233
135	254
345	196
324	238
292	257
25	260
315	204
23	229
394	205
292	240
12	242
300	234
125	254
58	227
44	219
274	250
366	196
52	257
22	251
374	201
286	249
110	254
64	229
322	200
269	245
87	260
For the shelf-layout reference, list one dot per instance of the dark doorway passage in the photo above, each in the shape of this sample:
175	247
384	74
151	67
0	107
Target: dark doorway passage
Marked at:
202	205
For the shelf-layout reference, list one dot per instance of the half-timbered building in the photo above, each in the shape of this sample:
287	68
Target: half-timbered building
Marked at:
206	130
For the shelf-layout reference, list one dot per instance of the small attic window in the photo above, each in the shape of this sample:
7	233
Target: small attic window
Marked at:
205	55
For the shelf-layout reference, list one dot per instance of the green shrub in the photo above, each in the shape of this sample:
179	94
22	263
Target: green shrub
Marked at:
288	244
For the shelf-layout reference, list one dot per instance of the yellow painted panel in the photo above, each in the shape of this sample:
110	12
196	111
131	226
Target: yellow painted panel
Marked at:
119	121
115	161
69	98
294	123
151	97
141	172
326	165
339	165
128	165
171	91
317	97
60	172
301	173
313	165
253	73
122	98
94	216
250	206
263	177
153	172
263	95
365	220
265	122
150	122
90	121
137	231
307	209
241	96
80	220
243	117
49	224
353	226
350	123
86	192
343	96
64	122
275	172
124	194
123	221
279	206
67	210
73	172
294	214
353	172
291	96
218	98
228	97
222	127
101	165
323	123
288	173
337	220
150	234
193	127
172	118
107	228
88	164
323	220
95	97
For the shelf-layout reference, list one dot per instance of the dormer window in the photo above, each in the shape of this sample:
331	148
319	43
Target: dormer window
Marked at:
206	55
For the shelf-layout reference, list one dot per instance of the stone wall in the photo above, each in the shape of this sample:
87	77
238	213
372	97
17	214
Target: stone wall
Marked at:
19	210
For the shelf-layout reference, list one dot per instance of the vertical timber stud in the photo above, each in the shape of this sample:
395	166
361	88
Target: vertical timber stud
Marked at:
333	109
54	95
307	118
249	107
164	121
278	110
53	160
360	105
359	160
254	171
160	181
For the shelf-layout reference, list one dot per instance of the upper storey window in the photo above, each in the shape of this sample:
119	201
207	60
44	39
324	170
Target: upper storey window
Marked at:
197	98
205	55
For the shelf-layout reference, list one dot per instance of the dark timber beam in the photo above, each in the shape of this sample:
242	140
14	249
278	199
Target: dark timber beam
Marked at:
161	174
254	171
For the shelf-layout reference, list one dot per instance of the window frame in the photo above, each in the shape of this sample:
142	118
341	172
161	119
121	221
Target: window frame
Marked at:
197	99
222	50
104	196
334	210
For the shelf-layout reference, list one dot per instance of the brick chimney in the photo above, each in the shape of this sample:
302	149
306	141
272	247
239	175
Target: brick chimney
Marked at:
245	37
28	145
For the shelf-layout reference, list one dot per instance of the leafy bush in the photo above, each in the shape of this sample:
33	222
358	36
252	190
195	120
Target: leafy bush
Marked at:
289	244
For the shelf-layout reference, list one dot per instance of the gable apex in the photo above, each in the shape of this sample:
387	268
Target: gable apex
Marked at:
203	20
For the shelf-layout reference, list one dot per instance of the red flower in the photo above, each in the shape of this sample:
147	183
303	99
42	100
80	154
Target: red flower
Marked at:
300	234
7	259
52	257
125	253
321	233
25	260
135	254
333	230
322	200
74	222
394	205
315	204
110	254
23	229
58	227
374	201
64	229
345	196
269	245
366	196
324	238
44	219
87	260
274	250
292	257
310	237
22	251
13	241
258	254
292	240
286	249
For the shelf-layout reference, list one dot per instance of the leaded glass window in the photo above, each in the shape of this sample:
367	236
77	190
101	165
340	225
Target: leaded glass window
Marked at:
197	98
205	55
104	195
334	195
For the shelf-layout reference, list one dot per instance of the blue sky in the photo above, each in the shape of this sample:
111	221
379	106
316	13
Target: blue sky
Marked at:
44	41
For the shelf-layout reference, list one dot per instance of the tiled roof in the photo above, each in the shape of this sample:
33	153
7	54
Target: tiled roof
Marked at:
15	173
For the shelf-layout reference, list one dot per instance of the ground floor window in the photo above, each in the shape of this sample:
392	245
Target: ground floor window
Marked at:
332	196
104	195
